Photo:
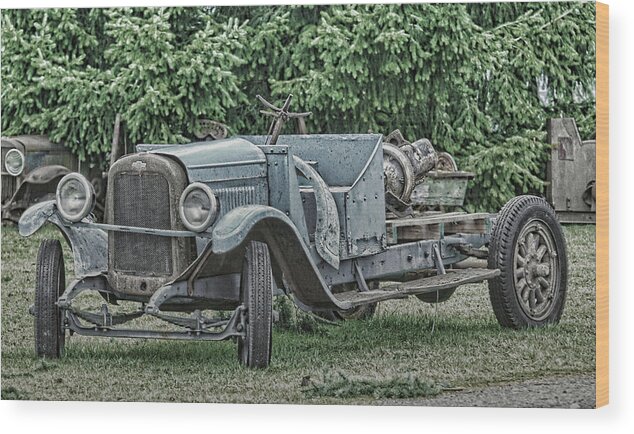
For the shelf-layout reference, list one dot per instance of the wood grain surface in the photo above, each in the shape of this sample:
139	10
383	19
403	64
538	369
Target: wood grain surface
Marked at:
602	228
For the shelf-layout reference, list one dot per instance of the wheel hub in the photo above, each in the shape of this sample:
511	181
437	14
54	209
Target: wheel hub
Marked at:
536	269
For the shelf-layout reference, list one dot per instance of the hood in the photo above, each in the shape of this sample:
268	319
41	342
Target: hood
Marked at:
217	160
32	143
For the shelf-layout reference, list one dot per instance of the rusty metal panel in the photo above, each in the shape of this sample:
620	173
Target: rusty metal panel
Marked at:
352	167
571	172
339	158
365	209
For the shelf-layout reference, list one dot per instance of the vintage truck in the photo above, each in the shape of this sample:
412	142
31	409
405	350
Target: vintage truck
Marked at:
199	236
32	166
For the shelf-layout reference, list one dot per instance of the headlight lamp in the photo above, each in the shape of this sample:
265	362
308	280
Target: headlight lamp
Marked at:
198	207
75	197
14	162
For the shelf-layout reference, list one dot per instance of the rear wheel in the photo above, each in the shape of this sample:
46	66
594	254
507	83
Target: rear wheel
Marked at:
528	247
50	283
254	349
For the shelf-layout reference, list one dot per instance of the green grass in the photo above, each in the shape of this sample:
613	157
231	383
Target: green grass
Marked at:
395	354
341	386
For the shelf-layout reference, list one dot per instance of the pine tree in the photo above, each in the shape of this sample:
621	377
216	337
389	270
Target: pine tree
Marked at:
479	80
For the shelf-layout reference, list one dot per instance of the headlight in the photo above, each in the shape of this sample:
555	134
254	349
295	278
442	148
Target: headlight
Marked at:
14	162
198	207
75	197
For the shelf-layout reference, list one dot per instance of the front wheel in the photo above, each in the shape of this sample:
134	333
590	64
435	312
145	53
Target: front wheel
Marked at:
50	283
256	286
528	247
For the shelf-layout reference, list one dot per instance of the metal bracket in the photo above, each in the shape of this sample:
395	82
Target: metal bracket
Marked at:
467	250
358	275
77	287
192	278
440	267
161	295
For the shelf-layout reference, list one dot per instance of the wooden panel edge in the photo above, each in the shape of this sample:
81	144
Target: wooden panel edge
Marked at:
602	226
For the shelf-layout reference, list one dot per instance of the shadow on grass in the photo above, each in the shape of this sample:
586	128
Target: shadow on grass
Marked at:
292	350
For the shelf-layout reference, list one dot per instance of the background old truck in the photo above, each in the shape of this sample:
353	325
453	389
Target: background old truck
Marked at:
571	172
32	166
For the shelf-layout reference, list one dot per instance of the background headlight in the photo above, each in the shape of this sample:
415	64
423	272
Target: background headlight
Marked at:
75	197
14	162
198	207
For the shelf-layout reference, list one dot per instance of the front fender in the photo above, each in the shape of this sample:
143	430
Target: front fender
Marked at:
290	253
35	217
45	174
89	245
39	176
234	227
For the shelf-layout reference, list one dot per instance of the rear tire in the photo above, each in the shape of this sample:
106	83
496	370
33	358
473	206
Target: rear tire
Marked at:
50	283
254	350
528	247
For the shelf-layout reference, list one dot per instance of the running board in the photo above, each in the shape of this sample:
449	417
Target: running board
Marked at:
452	279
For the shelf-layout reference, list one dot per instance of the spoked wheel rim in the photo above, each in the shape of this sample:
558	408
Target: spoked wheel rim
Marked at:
536	270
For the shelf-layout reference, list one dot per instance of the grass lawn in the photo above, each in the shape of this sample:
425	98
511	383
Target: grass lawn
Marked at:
394	355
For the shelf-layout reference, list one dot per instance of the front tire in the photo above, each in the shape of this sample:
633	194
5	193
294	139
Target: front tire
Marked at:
256	286
50	283
528	247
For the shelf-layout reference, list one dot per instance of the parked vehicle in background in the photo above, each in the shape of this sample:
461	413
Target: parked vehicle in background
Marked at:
32	166
571	172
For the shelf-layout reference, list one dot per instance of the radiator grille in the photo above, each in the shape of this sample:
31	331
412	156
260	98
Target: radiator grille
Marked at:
233	197
8	187
142	200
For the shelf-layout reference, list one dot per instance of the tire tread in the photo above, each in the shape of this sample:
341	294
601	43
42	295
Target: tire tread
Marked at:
50	261
501	250
259	305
